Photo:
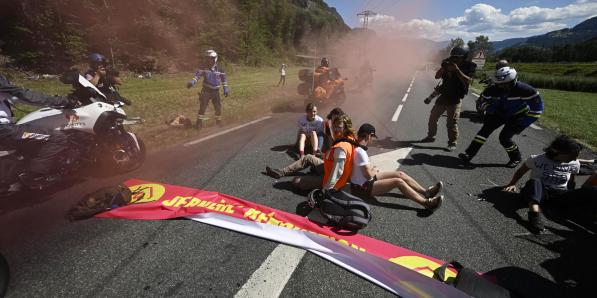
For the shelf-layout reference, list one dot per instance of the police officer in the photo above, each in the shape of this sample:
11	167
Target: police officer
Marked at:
214	77
508	102
48	143
456	73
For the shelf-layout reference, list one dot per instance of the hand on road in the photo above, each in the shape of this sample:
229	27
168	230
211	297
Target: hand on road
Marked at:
510	188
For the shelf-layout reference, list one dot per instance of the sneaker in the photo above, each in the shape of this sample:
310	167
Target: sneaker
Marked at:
434	190
451	147
513	163
465	157
428	139
434	203
274	173
536	222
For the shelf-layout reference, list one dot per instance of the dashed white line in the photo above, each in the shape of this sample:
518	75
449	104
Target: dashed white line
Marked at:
226	131
404	97
397	113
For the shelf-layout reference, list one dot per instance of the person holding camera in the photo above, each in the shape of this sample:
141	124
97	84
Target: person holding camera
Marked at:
456	74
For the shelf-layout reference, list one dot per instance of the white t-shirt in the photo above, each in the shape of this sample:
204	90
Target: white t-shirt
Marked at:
360	159
553	174
306	126
283	71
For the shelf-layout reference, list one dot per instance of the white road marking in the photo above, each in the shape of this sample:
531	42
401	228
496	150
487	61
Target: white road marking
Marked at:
397	113
388	161
226	131
404	97
533	126
271	277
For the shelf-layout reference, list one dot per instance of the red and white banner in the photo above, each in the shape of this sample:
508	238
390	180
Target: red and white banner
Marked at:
399	270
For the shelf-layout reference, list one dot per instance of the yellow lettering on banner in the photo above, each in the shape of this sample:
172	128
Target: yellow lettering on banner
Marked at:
421	265
273	221
220	207
344	242
169	203
262	218
229	209
358	248
181	201
211	206
204	204
194	202
288	225
252	214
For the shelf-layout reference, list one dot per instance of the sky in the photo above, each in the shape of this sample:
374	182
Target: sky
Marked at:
442	20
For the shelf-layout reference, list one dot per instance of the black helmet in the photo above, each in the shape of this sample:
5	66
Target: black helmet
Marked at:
459	51
97	59
325	62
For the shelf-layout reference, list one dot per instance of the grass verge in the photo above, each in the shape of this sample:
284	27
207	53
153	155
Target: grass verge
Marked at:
252	93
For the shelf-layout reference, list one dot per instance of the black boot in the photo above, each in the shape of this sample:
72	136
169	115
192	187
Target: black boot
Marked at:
199	124
536	222
515	158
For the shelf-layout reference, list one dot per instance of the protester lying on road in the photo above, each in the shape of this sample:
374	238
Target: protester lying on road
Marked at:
366	181
310	129
552	181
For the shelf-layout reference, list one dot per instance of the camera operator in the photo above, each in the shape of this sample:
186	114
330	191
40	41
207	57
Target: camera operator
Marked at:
456	73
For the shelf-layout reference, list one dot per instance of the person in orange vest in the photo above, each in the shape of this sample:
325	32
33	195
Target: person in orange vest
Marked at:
337	162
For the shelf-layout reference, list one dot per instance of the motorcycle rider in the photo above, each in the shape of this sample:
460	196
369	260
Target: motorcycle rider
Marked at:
49	144
106	80
213	77
508	102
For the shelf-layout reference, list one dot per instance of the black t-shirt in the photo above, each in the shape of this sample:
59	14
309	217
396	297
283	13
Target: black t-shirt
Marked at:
454	88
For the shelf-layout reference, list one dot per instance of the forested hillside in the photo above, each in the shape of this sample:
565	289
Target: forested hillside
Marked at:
52	35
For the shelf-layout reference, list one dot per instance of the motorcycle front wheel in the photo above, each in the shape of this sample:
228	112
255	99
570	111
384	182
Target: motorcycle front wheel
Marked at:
128	155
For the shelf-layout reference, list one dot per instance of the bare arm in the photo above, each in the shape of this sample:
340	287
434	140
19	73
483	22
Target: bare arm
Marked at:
511	187
369	171
439	73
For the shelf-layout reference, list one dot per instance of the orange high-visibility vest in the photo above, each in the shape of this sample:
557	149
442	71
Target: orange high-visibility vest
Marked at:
328	164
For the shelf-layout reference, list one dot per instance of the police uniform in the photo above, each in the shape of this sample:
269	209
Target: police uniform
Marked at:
213	79
516	109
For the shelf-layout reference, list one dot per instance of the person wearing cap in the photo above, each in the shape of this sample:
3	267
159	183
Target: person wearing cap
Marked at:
282	75
367	182
456	73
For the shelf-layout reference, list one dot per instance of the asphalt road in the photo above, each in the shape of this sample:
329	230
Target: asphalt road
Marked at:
482	228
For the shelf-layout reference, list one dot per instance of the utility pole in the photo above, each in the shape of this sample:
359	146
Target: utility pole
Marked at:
365	14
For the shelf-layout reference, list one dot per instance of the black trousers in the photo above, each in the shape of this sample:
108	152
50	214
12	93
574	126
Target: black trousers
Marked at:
579	203
511	128
204	97
44	145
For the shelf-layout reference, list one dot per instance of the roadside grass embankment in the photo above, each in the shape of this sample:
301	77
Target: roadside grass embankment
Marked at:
253	93
567	112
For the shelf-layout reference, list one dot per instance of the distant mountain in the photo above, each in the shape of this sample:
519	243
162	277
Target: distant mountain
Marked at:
577	34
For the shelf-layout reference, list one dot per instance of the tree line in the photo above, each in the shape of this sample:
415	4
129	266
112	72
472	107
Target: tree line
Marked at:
142	35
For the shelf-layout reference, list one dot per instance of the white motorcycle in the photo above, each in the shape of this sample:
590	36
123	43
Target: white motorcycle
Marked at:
96	135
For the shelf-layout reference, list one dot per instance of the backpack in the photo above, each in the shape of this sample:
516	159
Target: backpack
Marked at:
101	200
471	283
341	209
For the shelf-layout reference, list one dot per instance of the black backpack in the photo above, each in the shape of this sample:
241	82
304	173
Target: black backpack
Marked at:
341	209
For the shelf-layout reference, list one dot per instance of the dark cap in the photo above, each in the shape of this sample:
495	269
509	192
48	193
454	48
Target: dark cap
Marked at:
366	129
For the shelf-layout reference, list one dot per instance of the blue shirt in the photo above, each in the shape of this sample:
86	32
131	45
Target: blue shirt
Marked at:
521	100
213	77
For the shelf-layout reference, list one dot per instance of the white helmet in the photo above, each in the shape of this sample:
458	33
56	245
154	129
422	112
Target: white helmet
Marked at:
505	75
212	54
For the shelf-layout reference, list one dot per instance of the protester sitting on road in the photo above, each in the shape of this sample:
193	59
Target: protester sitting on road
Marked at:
366	181
308	160
510	103
552	173
310	128
337	162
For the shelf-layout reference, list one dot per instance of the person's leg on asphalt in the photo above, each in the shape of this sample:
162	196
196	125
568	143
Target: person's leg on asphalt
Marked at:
217	102
302	139
534	192
436	111
310	182
428	192
453	113
508	132
384	186
490	124
314	142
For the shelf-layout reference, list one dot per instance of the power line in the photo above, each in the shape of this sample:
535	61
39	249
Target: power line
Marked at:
365	14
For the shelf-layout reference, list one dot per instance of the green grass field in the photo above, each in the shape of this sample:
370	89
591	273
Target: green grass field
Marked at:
570	113
555	69
252	93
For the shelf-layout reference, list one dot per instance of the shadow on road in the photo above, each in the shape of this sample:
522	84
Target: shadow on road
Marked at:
287	185
437	160
524	283
290	150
